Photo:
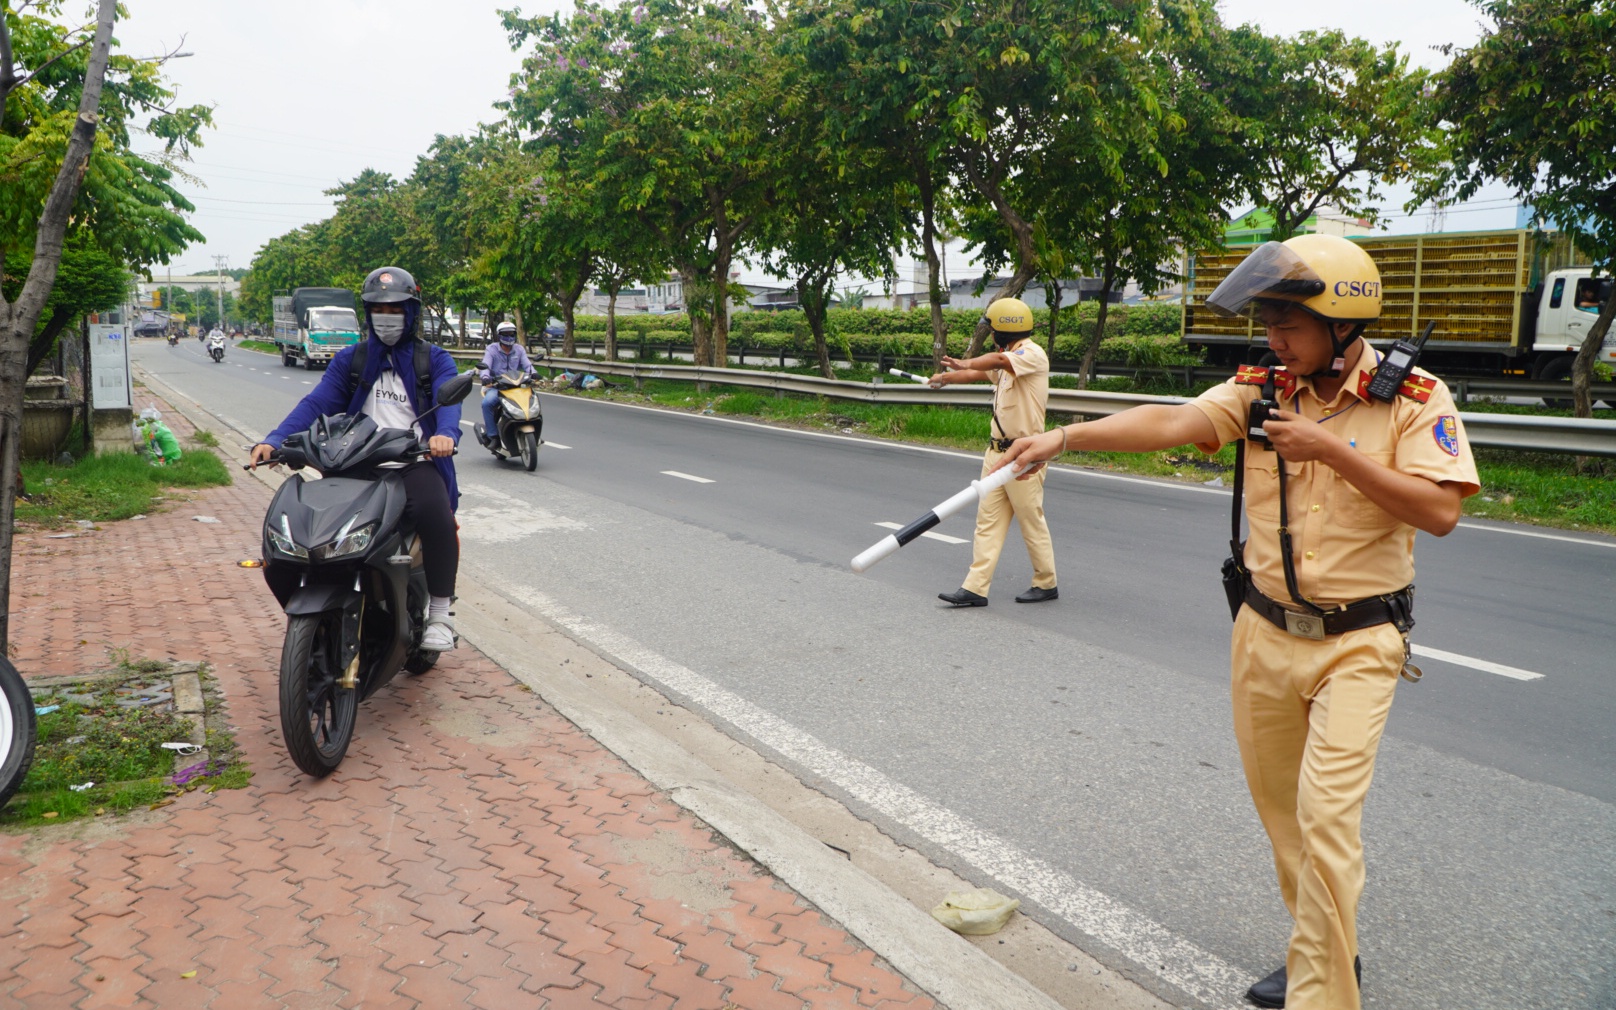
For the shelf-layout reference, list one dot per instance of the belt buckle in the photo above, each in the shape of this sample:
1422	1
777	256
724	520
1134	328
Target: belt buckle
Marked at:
1304	625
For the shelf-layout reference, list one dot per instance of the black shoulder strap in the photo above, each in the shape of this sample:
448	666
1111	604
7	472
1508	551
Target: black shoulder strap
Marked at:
423	371
356	365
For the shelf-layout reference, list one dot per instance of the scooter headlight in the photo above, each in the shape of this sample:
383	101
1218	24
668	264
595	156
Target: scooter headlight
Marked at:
514	409
282	539
346	542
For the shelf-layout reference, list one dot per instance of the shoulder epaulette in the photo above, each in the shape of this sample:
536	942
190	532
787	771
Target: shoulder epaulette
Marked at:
1416	387
1256	375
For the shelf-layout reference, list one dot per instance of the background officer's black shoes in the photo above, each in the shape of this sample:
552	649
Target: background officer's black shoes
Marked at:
963	598
1036	595
1270	992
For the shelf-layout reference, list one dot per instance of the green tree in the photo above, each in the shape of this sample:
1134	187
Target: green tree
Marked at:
296	259
1324	119
89	279
669	104
65	165
1532	103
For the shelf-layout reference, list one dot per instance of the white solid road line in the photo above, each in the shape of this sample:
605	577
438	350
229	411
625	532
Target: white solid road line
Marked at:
944	537
1541	536
1206	977
557	445
1485	666
687	476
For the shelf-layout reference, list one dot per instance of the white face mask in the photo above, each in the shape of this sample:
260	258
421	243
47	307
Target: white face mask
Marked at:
389	328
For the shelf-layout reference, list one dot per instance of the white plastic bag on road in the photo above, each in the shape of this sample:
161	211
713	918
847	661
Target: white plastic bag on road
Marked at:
977	912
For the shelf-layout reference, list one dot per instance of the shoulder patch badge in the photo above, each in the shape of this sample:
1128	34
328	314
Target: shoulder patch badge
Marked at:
1022	351
1446	433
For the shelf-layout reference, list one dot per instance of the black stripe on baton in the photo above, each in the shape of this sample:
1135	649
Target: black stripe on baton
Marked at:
916	528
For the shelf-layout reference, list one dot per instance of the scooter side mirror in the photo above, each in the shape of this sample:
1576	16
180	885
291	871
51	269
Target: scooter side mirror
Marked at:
456	389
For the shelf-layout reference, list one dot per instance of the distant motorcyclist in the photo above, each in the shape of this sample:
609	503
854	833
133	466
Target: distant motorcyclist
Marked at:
380	376
502	357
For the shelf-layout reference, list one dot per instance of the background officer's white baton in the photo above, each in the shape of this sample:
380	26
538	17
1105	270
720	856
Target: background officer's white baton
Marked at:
900	373
978	490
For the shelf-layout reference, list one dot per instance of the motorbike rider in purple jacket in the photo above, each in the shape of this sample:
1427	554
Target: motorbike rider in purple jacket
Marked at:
502	357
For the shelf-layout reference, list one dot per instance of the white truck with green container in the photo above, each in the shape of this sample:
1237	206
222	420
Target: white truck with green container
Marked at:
313	324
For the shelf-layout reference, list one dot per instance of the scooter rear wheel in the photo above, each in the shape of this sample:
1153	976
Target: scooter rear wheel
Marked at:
16	730
317	718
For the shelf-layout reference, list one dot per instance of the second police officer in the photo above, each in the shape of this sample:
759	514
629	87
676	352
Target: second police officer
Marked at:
1019	371
1323	587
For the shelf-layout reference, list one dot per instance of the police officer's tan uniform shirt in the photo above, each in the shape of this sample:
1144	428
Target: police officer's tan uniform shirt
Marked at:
1347	547
1021	391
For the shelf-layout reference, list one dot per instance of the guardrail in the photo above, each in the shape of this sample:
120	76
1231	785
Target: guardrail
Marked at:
1568	435
1464	388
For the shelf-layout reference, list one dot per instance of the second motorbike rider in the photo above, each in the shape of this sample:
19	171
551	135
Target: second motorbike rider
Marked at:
503	357
383	383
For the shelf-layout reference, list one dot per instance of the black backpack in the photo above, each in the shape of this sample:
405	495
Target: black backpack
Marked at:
423	368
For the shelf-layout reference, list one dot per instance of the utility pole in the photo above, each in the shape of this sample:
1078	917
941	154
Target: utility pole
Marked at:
219	264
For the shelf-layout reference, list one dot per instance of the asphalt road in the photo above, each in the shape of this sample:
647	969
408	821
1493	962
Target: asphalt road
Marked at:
1077	753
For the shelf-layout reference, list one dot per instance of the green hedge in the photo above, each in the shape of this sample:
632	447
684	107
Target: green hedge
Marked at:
1139	335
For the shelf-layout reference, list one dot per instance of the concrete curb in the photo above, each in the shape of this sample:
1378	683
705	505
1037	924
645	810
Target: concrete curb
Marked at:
948	967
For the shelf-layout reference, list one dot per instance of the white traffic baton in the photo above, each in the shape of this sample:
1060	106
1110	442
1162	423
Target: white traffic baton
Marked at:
900	373
978	490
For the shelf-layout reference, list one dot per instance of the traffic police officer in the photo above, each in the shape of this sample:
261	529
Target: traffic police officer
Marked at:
1019	371
1319	642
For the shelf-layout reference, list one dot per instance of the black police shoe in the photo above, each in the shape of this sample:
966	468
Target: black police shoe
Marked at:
963	597
1036	595
1270	992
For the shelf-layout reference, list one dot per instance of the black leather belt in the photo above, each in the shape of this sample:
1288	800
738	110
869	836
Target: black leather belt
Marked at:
1392	608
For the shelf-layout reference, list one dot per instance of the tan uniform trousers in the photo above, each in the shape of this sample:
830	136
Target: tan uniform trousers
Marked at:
1308	717
1023	500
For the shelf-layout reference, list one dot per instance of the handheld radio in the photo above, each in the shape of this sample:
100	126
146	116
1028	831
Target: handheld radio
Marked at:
1396	366
1258	410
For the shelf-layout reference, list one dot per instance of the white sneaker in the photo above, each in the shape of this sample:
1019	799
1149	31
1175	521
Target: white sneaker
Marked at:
439	635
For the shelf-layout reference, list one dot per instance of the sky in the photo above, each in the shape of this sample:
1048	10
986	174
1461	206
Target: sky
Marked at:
307	94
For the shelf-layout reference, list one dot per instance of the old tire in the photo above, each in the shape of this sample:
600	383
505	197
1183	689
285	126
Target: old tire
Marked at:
317	718
16	730
530	450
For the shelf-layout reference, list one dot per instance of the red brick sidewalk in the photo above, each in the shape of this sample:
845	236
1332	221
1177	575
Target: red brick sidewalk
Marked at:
474	850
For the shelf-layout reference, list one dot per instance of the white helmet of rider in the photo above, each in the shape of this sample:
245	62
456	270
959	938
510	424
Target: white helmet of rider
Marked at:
506	332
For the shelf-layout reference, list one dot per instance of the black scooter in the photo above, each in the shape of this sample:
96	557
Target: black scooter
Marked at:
349	577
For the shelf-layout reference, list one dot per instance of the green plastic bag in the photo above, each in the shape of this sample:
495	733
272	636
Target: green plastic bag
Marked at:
155	439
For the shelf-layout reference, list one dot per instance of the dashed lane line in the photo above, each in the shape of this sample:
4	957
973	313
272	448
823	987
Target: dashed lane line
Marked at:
944	537
1484	665
688	476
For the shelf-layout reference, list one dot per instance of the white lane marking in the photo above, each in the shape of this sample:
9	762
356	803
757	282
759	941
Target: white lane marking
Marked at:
308	382
944	537
469	424
905	447
687	476
557	445
1485	666
1540	536
1200	973
286	378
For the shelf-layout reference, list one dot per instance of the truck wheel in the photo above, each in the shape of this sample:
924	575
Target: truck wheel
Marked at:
1556	369
286	359
308	364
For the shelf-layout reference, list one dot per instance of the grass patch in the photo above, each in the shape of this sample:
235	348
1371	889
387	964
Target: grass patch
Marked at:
263	346
204	437
94	756
1538	488
109	486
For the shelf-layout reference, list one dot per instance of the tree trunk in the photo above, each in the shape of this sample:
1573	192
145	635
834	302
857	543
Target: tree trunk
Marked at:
1582	369
40	347
1020	231
611	318
18	319
934	268
1052	295
695	308
1108	277
812	297
720	304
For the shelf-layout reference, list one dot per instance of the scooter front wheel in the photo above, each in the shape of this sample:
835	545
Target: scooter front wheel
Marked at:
16	730
530	450
317	717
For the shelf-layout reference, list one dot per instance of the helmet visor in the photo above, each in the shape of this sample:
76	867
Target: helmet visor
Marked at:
1271	271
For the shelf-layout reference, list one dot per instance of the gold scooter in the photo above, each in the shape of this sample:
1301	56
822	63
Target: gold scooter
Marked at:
518	419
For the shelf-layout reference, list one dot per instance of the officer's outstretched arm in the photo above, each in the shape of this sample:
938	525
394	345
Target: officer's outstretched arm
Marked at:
1147	428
